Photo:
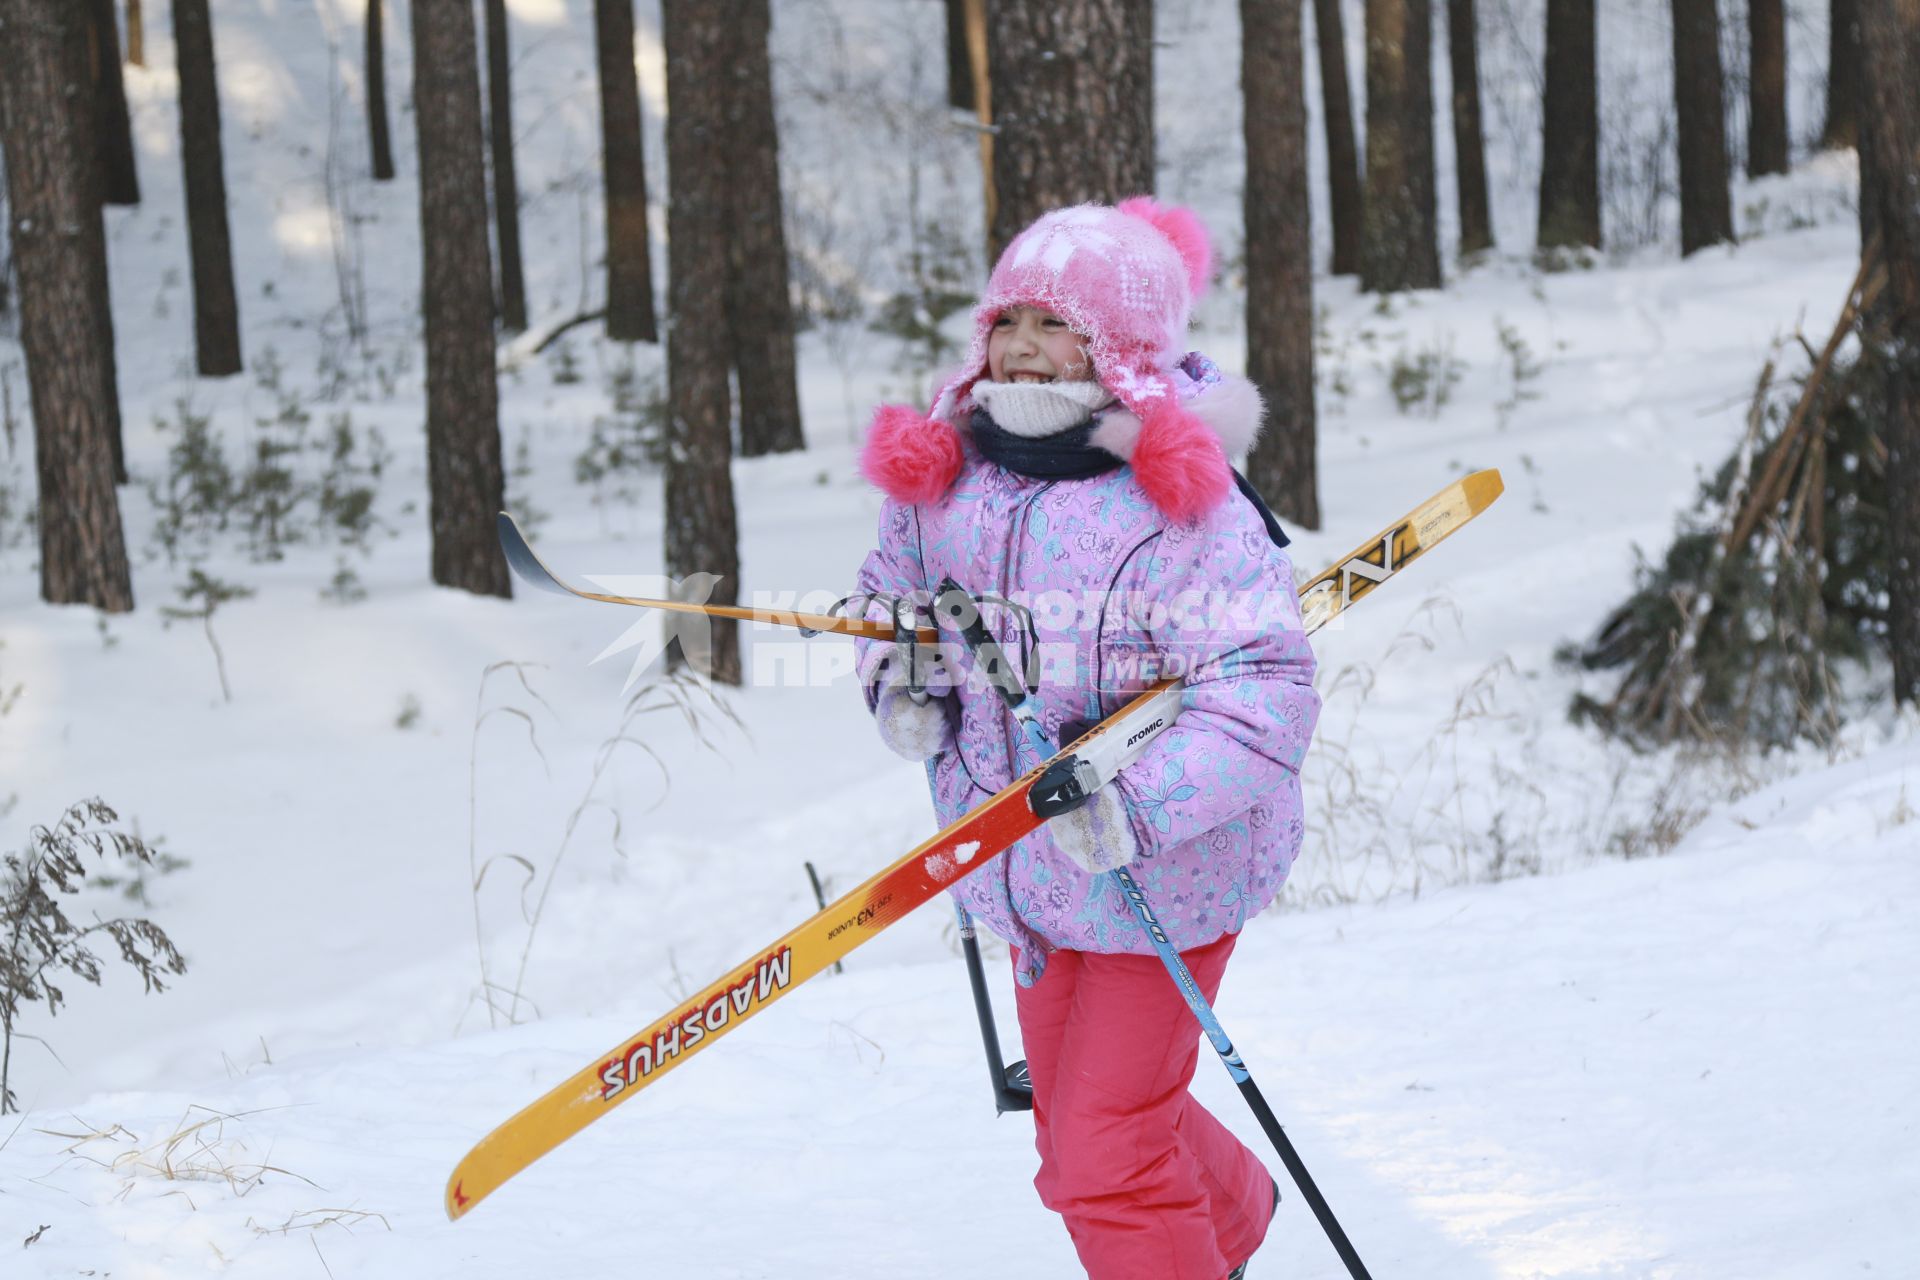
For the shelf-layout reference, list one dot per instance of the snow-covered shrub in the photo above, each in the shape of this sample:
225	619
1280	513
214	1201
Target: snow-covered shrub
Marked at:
39	943
292	486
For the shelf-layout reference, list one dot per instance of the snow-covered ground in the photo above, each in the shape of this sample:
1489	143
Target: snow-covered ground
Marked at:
1677	1066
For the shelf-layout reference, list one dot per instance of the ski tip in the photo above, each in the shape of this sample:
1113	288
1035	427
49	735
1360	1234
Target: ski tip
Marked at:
1483	487
458	1201
520	557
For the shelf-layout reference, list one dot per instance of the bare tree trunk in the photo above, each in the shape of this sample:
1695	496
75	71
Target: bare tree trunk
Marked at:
216	313
629	255
136	35
1843	75
90	119
1343	152
1279	256
1767	88
466	482
380	140
1469	149
976	14
1570	131
119	178
701	535
506	189
1399	246
65	332
959	59
759	304
1073	103
1889	120
1706	206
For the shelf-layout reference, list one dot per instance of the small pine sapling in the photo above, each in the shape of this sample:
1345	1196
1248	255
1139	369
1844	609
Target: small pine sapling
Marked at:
211	593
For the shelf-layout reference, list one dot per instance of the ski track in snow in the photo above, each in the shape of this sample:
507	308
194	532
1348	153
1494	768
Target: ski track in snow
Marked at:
1689	1066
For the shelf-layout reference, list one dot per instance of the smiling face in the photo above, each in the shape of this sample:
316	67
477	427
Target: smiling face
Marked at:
1031	345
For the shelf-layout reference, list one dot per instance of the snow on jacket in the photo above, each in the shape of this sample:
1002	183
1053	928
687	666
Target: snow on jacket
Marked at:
1120	596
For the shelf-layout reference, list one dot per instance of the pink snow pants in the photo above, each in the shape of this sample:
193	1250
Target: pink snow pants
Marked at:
1151	1186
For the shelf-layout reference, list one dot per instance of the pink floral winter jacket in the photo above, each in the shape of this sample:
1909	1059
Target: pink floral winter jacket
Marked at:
1120	597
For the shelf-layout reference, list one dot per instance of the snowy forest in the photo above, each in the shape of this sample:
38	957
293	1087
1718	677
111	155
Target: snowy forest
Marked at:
331	842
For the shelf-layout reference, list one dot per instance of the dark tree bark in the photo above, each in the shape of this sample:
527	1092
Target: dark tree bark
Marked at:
759	304
1469	149
119	178
1399	243
466	482
506	189
1706	206
1843	75
1570	133
216	313
959	59
90	119
701	535
1279	256
1343	153
1889	137
380	140
1767	88
629	255
1073	103
136	35
65	331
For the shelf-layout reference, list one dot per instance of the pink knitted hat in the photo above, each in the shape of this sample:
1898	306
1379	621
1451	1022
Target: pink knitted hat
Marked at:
1125	278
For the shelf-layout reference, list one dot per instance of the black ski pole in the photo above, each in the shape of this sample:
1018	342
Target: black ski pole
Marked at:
1012	1090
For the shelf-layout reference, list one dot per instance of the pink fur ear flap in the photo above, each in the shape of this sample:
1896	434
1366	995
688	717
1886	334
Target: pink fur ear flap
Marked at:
1177	460
1182	226
910	457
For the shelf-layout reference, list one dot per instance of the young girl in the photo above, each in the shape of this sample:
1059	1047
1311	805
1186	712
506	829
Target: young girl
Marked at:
1077	465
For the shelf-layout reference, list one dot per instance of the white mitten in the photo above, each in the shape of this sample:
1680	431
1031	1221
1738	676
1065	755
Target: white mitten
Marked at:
914	728
1098	835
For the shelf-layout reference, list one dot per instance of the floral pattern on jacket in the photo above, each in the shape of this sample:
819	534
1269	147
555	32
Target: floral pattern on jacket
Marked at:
1120	596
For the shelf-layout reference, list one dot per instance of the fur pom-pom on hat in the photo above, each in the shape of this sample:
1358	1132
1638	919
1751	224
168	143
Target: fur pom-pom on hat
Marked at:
909	456
1178	461
1181	226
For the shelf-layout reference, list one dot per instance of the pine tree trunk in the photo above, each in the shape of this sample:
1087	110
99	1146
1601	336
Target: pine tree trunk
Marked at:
216	313
120	179
136	35
976	16
1073	103
53	204
629	255
759	301
1767	88
1843	75
701	536
1279	256
465	478
379	140
1469	148
506	188
1706	206
1570	132
1343	152
1889	120
1399	246
959	59
89	119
